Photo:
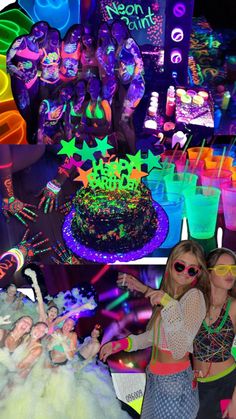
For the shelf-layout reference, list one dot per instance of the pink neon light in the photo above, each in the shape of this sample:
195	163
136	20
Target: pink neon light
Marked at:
99	274
6	166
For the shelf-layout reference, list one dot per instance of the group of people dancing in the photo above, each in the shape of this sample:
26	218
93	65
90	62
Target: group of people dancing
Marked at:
192	371
44	371
64	88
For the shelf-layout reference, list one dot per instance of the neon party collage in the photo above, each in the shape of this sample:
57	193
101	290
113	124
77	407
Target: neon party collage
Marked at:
117	209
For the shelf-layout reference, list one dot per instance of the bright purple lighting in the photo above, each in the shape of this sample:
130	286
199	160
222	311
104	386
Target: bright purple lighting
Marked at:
113	293
177	35
179	9
176	56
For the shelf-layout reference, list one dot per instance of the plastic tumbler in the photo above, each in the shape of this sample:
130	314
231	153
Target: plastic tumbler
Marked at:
229	206
233	171
179	156
155	186
157	176
202	208
211	178
192	167
214	162
180	182
193	152
173	205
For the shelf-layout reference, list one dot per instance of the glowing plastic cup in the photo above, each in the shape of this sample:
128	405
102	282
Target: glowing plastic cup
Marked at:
157	176
173	205
214	162
155	186
193	152
197	169
229	206
180	182
202	208
233	171
179	156
211	178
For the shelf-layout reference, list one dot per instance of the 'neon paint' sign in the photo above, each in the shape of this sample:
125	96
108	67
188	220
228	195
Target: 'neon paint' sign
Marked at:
133	15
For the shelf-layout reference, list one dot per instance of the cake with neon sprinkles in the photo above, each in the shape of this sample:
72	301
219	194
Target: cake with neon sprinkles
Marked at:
115	221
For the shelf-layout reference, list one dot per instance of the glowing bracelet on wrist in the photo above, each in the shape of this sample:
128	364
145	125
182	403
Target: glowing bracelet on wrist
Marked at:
165	300
17	254
54	188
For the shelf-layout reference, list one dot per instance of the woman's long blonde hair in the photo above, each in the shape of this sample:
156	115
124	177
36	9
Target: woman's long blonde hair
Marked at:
202	283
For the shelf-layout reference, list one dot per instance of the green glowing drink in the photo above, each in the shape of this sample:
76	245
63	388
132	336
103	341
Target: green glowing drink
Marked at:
202	209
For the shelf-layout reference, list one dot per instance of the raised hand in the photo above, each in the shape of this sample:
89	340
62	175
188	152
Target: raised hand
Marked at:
64	255
31	247
5	320
130	282
14	207
50	196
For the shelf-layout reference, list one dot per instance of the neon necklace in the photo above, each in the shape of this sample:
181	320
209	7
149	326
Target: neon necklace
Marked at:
218	329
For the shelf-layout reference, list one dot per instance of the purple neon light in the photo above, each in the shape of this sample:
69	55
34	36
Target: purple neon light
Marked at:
177	34
87	253
179	9
176	56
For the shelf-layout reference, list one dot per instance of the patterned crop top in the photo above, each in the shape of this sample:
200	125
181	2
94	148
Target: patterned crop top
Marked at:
180	322
213	343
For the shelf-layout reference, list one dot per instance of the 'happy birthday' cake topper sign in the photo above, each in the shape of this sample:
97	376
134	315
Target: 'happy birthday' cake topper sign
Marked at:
118	174
106	173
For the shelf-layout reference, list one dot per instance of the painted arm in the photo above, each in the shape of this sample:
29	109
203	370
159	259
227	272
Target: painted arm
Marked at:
11	68
42	118
129	344
13	259
137	57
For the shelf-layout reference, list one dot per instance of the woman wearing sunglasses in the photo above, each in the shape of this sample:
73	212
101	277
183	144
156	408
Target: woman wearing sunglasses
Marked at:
213	360
180	309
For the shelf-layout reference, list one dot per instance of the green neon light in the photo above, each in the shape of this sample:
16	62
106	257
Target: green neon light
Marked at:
133	15
118	301
13	23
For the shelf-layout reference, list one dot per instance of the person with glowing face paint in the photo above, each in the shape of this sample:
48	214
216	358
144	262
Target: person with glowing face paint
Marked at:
50	64
105	55
71	48
179	311
22	64
214	355
129	71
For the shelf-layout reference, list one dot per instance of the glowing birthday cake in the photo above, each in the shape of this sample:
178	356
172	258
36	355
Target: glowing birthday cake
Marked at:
114	221
113	213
